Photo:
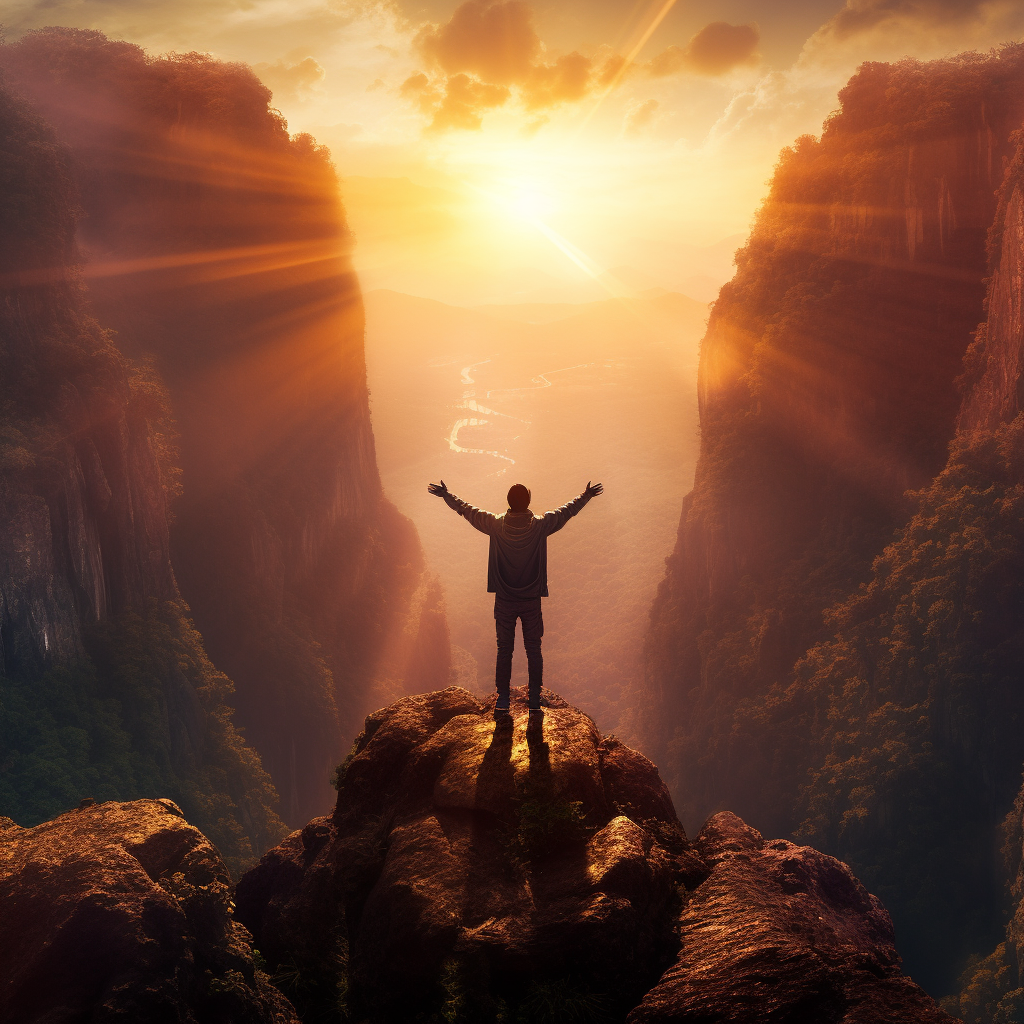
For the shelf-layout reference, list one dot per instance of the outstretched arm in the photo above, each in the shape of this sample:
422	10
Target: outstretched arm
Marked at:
556	519
476	517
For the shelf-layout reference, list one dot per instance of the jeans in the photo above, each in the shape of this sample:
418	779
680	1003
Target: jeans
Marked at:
505	614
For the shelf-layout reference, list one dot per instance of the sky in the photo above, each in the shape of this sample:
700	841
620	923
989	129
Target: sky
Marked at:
547	150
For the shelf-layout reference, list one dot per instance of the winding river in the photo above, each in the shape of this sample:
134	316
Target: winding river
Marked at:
483	414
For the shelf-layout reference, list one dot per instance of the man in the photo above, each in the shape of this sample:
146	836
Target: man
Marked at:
517	575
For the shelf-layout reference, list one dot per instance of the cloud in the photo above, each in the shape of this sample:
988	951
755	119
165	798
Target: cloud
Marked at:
496	42
489	43
291	81
639	116
486	49
716	49
612	70
420	90
861	15
890	29
464	102
565	81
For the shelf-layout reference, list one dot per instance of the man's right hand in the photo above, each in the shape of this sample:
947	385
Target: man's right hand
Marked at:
593	490
440	490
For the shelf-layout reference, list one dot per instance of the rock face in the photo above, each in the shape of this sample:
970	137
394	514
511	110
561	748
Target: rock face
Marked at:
104	685
217	245
782	933
992	414
524	869
479	863
995	362
121	911
82	497
826	389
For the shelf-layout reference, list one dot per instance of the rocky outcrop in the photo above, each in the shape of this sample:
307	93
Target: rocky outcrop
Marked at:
528	868
480	861
122	911
217	245
780	932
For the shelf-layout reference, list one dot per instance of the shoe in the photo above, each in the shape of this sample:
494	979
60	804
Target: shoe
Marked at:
535	709
502	705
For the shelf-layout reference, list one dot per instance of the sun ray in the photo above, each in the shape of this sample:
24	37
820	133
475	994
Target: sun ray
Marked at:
659	16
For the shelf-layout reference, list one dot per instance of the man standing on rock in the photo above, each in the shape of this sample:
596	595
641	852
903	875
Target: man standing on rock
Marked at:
517	574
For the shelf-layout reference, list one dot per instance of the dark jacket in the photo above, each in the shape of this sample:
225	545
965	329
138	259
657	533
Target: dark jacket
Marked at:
517	564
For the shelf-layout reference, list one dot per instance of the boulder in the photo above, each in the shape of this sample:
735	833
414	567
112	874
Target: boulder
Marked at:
123	911
782	933
475	867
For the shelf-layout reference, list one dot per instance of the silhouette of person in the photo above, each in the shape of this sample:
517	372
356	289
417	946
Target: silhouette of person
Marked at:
517	575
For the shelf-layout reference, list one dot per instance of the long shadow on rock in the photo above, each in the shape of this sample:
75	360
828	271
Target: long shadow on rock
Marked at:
478	870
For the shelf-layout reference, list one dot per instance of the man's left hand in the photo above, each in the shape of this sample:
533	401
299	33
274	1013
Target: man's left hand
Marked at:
440	490
593	490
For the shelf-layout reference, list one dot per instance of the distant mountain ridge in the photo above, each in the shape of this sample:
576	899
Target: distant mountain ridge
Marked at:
678	304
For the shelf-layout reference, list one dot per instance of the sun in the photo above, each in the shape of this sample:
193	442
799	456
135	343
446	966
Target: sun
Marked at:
523	200
531	203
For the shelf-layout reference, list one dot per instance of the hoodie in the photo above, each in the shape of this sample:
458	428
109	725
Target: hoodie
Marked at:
517	563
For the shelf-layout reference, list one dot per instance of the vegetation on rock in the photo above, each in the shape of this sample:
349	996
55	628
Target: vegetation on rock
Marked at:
217	249
105	688
835	648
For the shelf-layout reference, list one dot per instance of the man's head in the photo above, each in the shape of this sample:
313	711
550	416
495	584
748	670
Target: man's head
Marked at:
519	497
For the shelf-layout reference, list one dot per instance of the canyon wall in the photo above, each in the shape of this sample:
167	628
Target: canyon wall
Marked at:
104	686
217	248
828	390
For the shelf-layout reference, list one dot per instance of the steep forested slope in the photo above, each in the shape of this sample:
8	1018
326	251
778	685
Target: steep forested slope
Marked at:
828	388
105	690
217	244
915	707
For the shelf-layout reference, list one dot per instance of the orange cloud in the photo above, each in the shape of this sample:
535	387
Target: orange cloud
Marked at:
421	91
565	81
464	101
640	116
714	50
860	15
494	41
290	81
487	47
490	47
612	69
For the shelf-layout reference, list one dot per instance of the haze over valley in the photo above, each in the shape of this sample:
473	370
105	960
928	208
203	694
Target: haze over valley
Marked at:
550	395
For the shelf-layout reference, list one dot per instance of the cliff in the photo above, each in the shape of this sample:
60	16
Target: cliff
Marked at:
526	868
217	245
82	492
881	722
105	689
994	364
920	748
